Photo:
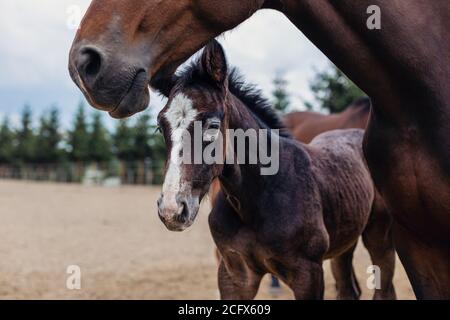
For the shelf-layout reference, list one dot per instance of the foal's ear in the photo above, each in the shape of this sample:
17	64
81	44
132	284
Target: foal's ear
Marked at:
214	62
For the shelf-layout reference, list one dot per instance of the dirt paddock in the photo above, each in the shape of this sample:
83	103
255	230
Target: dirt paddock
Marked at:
123	250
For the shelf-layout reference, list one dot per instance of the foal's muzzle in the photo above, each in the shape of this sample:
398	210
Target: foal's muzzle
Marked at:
177	212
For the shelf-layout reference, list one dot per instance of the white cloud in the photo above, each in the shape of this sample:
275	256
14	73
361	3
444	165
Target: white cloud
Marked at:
35	41
269	43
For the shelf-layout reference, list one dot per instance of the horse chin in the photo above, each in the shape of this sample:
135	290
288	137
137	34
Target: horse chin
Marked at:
175	227
135	100
178	226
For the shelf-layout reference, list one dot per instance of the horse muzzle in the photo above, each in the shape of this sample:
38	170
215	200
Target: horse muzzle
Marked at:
115	86
177	212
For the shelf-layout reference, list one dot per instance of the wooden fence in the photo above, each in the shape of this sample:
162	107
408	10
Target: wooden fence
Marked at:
135	172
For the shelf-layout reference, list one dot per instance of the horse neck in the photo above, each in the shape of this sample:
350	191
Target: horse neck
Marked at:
240	117
395	76
241	181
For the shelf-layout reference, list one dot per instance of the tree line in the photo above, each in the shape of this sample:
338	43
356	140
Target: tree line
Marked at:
88	140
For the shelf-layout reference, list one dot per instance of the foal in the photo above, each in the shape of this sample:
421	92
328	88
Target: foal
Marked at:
314	208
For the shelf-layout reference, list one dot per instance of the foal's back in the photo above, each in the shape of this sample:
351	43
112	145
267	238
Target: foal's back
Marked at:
345	184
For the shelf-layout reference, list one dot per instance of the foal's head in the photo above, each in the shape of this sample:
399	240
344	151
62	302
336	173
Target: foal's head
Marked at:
198	99
204	102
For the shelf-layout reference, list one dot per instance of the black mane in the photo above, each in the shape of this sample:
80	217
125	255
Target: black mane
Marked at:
253	98
249	95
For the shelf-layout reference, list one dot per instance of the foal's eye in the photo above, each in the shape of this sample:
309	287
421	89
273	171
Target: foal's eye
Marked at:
212	130
214	126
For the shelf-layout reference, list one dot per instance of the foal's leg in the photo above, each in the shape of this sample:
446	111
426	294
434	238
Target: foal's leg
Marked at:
307	281
347	286
378	239
238	283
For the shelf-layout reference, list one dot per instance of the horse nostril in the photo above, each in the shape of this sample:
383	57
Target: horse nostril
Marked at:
185	212
89	64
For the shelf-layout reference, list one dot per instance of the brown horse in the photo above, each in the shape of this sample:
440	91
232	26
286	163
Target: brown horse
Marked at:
122	45
314	207
306	125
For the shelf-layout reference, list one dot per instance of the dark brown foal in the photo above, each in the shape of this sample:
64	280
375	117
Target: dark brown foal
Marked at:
314	207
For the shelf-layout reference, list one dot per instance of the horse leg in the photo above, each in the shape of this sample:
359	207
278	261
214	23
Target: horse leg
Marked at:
307	281
377	238
239	284
427	265
347	286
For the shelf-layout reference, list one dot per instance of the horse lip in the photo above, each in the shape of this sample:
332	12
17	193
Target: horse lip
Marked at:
81	85
136	84
178	226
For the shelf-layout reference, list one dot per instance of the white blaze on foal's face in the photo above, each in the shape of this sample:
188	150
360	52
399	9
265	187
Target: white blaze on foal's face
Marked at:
180	115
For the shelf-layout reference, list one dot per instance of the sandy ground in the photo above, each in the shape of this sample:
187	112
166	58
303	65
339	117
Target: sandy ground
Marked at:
116	238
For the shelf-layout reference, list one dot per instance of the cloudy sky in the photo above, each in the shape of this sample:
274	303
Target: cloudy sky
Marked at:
35	38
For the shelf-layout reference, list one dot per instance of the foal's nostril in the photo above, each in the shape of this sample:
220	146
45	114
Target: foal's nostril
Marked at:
89	64
184	216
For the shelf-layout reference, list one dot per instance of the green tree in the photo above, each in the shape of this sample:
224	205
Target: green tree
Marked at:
49	138
78	137
99	141
6	142
26	139
142	137
123	141
158	155
333	90
281	100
